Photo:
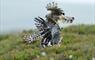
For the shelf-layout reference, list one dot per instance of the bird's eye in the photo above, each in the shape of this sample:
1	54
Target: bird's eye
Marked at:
63	13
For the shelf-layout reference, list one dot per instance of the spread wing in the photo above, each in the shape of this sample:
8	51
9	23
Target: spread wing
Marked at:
42	26
40	23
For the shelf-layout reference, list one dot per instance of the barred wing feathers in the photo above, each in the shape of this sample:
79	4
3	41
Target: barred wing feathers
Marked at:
42	26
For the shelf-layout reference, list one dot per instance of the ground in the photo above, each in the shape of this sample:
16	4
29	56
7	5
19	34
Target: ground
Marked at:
78	43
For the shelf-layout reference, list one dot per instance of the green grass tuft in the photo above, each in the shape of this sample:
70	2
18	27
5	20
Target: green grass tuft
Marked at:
78	43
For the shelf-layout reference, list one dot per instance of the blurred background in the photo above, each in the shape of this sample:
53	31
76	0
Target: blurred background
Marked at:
16	15
17	20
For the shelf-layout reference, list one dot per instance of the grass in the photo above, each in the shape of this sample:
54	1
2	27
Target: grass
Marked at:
78	43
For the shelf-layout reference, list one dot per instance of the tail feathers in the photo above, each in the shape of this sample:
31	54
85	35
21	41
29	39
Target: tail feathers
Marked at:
30	38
